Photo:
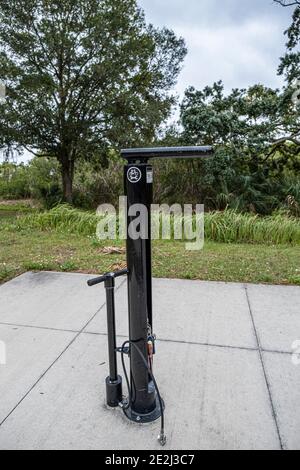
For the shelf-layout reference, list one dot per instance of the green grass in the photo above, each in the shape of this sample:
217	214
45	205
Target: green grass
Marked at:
230	226
223	227
63	240
39	250
63	218
277	264
10	209
15	207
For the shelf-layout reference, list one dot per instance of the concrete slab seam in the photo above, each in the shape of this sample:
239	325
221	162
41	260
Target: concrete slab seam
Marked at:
268	385
162	340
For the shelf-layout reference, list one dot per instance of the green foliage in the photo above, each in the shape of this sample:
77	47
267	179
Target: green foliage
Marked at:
82	76
257	135
252	168
63	218
249	120
292	201
227	181
255	131
14	183
17	207
44	180
290	62
228	226
290	68
40	179
6	273
94	185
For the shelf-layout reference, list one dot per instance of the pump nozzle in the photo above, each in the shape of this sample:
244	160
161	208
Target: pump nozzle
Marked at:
162	438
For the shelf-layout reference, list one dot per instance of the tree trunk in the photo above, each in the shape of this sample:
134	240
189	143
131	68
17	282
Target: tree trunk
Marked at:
67	169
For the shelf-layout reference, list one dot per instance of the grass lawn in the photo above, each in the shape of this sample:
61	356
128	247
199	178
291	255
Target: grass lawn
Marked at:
22	251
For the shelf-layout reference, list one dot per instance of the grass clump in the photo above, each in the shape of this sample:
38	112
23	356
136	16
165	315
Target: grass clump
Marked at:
233	227
228	226
62	218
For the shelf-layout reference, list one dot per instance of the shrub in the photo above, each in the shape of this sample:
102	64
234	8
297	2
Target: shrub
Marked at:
14	182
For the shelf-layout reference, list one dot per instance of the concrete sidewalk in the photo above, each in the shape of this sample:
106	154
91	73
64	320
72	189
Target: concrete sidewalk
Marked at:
224	365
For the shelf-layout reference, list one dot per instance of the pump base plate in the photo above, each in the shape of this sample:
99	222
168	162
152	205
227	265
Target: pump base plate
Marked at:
144	418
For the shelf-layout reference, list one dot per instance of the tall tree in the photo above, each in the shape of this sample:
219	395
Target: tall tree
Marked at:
252	131
82	75
290	68
290	63
247	119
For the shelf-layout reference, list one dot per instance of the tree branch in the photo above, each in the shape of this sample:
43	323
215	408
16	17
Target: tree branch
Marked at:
275	145
36	154
287	3
291	138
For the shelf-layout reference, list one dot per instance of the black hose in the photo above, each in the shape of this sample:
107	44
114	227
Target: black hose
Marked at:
125	407
162	437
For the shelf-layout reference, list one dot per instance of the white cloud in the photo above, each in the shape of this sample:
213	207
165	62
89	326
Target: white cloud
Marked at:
240	55
237	41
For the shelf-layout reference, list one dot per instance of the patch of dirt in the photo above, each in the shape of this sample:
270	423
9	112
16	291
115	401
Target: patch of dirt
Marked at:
118	266
113	250
60	255
23	202
64	251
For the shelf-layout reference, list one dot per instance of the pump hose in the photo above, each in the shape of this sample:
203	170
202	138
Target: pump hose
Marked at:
161	437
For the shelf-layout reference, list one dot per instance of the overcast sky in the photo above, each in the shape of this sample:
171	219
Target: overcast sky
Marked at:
238	41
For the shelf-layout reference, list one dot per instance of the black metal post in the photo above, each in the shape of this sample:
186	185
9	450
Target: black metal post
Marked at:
144	403
138	182
138	189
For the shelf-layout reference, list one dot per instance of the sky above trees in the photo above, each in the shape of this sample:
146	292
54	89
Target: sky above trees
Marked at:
237	41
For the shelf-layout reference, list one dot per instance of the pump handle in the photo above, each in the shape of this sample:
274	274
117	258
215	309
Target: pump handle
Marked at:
98	280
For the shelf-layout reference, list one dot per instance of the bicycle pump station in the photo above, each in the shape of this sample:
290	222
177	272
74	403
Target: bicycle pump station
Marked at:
144	403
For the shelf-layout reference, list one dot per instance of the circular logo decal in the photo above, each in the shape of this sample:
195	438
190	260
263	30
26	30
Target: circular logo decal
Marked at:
134	174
